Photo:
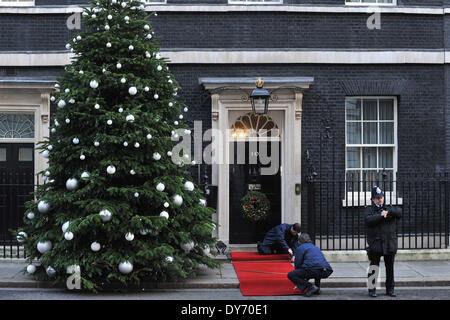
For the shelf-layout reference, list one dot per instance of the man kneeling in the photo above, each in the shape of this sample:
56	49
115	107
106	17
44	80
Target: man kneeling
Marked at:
280	239
309	264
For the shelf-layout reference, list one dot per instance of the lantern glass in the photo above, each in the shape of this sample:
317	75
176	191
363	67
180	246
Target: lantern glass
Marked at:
260	101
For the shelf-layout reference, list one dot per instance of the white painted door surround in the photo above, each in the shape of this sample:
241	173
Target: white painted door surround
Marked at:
226	98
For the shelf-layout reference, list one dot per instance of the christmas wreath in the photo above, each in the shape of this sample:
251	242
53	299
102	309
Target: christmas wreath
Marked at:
255	206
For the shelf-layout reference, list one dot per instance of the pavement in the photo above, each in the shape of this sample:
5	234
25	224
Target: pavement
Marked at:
346	275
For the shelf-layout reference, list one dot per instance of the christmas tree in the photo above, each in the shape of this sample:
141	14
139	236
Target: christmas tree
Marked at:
117	204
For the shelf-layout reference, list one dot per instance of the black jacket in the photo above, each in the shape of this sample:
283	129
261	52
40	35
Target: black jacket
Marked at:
381	232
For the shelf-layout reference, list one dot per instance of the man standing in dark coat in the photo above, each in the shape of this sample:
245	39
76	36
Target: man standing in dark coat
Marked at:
382	237
280	239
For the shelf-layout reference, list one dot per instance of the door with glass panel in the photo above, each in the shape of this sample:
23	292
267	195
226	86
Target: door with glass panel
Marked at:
255	151
16	185
17	134
371	145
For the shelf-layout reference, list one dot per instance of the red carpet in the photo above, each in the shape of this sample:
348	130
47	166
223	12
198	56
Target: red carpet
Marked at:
255	256
263	278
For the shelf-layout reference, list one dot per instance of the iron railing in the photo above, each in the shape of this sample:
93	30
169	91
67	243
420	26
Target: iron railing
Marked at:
336	210
16	188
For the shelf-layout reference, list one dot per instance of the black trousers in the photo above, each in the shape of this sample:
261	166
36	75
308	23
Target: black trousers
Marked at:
270	247
301	276
389	264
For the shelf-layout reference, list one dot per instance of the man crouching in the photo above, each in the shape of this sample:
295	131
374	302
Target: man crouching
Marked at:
309	264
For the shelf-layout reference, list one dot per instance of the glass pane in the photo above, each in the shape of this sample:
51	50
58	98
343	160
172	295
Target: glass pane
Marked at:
370	179
353	132
353	109
353	158
370	132
369	157
370	109
387	132
353	181
25	154
2	154
386	158
386	109
16	125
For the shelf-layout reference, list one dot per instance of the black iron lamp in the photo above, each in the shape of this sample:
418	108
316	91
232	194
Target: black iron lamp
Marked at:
260	98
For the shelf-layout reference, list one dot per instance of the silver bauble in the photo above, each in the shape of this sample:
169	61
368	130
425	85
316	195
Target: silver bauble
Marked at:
94	84
164	214
129	236
30	215
156	156
125	267
71	184
21	236
187	246
132	91
50	271
95	246
111	169
177	199
65	226
85	175
188	185
105	214
43	206
44	246
68	236
31	268
160	187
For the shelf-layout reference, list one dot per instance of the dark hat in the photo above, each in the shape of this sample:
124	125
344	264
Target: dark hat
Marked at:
377	192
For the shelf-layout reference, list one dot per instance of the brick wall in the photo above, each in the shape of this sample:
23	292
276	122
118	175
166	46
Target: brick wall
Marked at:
243	30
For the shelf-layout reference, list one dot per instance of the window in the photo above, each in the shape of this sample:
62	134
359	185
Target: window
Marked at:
251	125
16	126
25	154
255	1
372	2
371	145
16	3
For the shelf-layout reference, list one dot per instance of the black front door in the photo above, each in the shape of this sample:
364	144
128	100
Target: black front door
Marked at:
246	174
16	185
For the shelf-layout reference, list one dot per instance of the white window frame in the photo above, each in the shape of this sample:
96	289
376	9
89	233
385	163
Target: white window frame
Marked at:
154	2
363	198
394	3
250	2
29	3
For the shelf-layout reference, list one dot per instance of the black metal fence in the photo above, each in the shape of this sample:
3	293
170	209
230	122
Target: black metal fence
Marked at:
15	189
335	210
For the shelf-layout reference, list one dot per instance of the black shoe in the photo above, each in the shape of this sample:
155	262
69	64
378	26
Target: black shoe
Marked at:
373	293
311	290
391	293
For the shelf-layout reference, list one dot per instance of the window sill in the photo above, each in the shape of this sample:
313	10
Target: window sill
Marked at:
17	4
364	200
371	4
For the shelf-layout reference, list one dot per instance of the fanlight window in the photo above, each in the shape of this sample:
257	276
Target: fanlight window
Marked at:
252	125
17	126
